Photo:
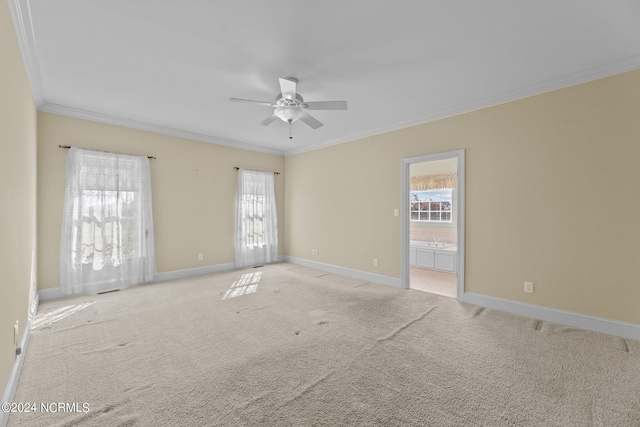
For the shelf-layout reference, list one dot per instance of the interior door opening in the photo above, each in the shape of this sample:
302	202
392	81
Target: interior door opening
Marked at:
433	223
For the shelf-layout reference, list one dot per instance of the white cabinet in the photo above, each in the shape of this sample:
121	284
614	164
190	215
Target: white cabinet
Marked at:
423	256
445	261
412	256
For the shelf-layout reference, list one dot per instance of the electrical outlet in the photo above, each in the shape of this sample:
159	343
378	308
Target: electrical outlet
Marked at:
528	287
315	252
16	331
375	262
396	212
200	256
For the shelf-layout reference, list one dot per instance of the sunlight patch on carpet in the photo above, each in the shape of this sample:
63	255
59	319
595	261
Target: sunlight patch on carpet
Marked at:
57	314
246	284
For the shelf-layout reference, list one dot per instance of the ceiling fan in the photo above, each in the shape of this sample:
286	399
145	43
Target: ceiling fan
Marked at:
290	106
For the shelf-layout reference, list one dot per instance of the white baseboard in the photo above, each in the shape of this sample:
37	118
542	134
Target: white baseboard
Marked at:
12	383
192	272
56	293
200	271
582	321
591	323
50	293
358	274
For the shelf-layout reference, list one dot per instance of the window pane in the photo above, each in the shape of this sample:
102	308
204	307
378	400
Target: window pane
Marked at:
431	205
254	217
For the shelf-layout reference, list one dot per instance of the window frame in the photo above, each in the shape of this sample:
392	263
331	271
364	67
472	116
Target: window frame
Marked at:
429	212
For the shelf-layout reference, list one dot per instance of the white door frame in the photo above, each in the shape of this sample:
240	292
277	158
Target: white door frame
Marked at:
405	212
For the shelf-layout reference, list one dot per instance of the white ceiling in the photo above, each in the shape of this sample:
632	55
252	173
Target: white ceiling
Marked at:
171	66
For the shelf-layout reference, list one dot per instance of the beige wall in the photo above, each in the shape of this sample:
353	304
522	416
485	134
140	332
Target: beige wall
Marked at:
193	190
551	195
17	192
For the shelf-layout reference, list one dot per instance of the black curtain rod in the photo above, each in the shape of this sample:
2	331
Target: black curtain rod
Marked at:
102	151
237	168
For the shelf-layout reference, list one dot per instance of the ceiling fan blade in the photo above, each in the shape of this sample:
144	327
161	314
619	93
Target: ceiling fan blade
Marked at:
310	120
250	101
268	120
288	87
326	105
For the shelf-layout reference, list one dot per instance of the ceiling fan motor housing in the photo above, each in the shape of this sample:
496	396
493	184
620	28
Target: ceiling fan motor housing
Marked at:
290	106
289	110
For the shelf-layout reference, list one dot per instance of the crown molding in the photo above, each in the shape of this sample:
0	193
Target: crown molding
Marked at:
150	127
610	69
21	16
584	76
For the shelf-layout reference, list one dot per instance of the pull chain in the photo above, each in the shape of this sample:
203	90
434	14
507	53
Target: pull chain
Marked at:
290	137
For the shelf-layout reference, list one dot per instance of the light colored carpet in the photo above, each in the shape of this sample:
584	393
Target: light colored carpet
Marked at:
278	346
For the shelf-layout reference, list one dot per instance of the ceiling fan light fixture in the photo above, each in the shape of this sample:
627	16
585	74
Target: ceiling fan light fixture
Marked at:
290	106
288	114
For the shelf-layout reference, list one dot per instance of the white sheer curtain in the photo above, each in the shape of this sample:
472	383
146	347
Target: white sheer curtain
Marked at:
107	225
257	219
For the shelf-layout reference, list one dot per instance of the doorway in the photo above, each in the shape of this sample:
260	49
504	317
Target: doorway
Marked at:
432	218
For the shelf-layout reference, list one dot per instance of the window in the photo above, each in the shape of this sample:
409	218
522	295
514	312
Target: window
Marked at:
432	205
257	219
107	226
